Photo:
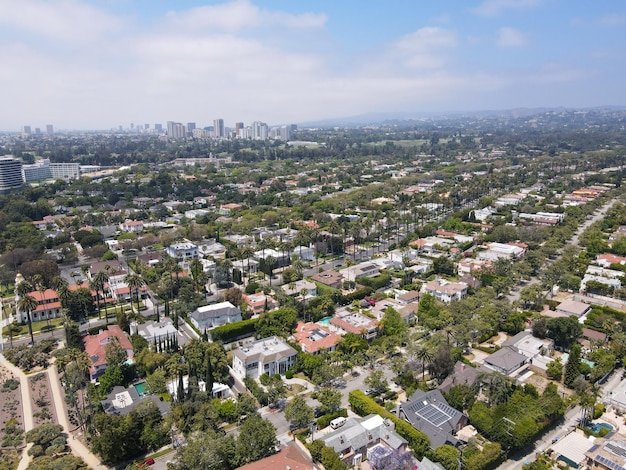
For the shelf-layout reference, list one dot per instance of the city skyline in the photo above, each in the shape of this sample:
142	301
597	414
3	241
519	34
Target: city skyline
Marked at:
93	65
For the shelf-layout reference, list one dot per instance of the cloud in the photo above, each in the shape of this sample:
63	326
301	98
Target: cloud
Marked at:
511	37
495	7
239	15
614	19
61	20
424	48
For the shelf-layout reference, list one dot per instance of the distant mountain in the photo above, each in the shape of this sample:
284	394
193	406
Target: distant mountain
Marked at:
375	118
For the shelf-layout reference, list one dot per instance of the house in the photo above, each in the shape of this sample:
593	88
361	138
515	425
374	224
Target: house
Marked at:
259	302
495	251
182	252
361	437
304	253
608	453
265	356
132	226
329	278
214	315
525	343
445	291
608	259
471	266
289	457
48	306
573	308
355	323
153	332
95	347
213	248
571	450
408	297
461	375
122	401
219	390
151	259
313	338
299	287
430	413
506	361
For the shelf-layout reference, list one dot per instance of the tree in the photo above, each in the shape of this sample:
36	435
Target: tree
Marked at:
257	440
135	283
572	368
564	330
330	399
555	369
207	450
424	357
28	304
444	265
298	412
376	381
393	324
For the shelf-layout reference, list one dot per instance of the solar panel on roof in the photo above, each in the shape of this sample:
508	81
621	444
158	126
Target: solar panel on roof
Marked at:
617	450
434	415
608	463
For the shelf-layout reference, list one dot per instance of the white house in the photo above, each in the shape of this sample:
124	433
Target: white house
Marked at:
214	315
265	356
444	290
182	252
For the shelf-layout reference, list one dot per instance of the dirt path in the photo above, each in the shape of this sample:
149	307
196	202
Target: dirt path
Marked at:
78	448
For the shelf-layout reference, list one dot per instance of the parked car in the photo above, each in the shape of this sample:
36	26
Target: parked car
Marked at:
147	462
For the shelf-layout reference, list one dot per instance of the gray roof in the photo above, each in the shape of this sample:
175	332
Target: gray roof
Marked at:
463	375
506	359
354	434
430	413
107	405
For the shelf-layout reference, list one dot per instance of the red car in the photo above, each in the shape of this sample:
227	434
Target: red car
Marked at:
147	462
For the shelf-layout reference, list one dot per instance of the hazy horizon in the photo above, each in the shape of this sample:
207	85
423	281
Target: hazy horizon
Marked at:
94	65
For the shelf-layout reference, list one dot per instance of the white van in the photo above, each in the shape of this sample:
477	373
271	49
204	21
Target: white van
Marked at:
337	422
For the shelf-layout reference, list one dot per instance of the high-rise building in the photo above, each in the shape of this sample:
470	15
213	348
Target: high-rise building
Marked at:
146	126
238	127
26	131
170	128
10	173
218	128
158	127
190	127
37	131
284	133
49	129
260	131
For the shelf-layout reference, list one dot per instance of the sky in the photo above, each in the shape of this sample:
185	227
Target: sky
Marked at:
97	64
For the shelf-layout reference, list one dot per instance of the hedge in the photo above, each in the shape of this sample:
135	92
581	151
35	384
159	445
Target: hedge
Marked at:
256	390
232	331
363	405
325	420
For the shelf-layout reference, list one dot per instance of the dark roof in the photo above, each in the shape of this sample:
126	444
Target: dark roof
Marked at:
463	375
430	413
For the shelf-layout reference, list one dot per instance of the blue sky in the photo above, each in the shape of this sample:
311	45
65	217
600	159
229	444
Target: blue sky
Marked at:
81	64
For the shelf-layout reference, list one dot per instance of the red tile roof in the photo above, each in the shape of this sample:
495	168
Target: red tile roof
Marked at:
95	346
289	457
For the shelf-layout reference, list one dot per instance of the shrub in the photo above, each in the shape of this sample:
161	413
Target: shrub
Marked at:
256	391
598	411
289	374
363	406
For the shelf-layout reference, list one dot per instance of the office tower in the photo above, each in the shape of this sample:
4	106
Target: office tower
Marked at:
284	133
218	128
170	128
190	127
146	126
10	173
158	127
238	129
176	130
294	127
37	171
260	131
49	129
26	131
120	128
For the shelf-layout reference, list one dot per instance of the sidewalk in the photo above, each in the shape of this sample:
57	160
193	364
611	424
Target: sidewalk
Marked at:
27	410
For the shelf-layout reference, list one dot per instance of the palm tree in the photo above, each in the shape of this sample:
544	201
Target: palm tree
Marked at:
269	265
424	357
99	281
134	282
195	267
27	303
247	252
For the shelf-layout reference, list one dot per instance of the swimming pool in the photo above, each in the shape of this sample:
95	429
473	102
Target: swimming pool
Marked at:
596	427
141	388
324	321
565	357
